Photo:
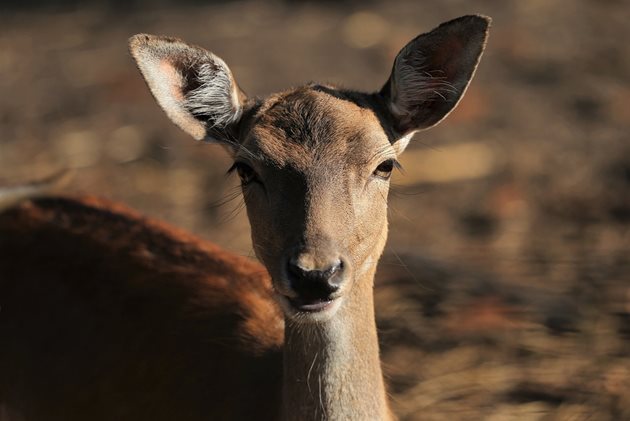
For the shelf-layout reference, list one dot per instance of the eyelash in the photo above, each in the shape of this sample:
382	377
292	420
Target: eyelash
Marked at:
384	169
245	172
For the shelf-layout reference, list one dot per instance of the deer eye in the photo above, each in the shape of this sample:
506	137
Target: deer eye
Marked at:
244	171
384	169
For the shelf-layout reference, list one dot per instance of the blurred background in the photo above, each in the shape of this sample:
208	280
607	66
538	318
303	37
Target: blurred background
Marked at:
504	292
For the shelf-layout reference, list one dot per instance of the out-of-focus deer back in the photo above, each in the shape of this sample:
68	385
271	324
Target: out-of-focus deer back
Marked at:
93	295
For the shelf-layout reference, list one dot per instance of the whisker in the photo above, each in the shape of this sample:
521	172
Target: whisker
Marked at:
406	267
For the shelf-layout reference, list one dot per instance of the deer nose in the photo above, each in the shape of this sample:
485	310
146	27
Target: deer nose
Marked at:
315	281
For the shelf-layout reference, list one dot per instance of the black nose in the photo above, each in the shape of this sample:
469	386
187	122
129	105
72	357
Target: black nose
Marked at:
315	282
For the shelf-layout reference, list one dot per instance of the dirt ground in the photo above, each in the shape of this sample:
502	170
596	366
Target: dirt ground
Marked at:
505	289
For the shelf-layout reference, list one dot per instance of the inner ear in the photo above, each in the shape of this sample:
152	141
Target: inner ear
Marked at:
194	87
431	73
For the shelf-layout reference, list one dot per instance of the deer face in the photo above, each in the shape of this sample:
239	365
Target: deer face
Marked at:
315	171
315	161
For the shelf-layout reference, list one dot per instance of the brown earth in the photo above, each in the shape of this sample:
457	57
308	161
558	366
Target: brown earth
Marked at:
505	289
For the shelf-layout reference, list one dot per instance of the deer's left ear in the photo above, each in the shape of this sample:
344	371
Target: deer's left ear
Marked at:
431	73
194	87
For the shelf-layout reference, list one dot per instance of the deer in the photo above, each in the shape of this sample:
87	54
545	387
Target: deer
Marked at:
107	314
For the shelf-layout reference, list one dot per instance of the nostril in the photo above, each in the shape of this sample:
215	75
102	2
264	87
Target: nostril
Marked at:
295	269
329	277
315	282
334	268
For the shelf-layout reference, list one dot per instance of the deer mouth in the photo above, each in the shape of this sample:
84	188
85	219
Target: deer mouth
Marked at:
309	308
311	305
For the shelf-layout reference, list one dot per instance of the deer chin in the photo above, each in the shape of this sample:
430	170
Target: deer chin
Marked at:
310	310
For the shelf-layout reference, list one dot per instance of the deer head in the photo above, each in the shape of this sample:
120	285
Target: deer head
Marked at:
315	161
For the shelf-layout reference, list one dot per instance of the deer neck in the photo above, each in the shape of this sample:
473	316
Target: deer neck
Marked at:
332	370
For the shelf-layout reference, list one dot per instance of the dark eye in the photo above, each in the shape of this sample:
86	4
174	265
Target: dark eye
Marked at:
244	171
385	168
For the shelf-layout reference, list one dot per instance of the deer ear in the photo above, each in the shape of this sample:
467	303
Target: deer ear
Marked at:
431	73
194	87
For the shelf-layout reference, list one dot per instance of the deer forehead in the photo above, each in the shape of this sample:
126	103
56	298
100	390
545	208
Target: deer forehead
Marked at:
306	129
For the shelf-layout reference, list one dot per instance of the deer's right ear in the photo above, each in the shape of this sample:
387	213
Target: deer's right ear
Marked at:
194	87
431	73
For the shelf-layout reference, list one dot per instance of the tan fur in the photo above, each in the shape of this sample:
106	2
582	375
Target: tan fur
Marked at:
312	162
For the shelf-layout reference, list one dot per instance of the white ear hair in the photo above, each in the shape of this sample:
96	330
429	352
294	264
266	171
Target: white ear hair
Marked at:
431	73
194	87
209	99
419	82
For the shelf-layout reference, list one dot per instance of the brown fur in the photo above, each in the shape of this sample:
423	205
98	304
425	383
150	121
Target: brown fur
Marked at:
107	315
